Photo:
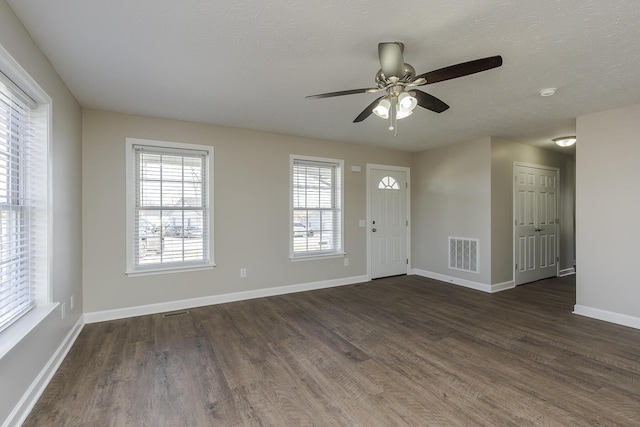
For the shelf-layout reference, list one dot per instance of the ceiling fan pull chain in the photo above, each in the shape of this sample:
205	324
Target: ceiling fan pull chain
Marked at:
393	122
396	126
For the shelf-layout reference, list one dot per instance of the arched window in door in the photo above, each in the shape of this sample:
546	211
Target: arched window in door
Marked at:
388	183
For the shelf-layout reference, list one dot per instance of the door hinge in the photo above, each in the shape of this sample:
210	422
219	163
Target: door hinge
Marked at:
406	185
558	259
515	222
407	223
516	266
407	261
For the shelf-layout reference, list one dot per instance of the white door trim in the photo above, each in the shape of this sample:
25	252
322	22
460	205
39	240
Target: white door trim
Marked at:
513	213
407	171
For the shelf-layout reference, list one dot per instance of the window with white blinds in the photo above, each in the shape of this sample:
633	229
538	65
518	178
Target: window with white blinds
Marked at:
316	211
170	207
21	200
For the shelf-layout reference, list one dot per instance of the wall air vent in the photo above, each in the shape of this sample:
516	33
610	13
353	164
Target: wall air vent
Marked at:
463	254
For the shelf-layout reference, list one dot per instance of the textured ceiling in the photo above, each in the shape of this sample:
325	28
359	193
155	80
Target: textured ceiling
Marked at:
249	64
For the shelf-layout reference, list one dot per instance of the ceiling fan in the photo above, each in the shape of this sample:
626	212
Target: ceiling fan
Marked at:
398	79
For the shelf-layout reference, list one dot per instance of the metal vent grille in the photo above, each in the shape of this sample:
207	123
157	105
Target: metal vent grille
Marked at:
463	254
175	314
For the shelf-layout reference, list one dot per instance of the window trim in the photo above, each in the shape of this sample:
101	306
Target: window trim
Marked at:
340	252
131	269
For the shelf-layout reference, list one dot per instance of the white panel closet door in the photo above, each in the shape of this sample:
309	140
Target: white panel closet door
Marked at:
536	223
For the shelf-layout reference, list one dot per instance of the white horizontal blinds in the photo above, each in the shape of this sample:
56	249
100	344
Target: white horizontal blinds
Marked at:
171	207
316	207
18	94
17	291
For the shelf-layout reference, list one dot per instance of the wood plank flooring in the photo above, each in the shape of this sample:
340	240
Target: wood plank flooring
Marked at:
392	352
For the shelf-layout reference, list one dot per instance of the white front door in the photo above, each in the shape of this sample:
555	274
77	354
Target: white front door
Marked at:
536	223
388	223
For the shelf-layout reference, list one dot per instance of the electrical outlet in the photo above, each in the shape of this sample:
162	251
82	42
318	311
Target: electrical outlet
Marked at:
346	262
243	272
63	309
72	302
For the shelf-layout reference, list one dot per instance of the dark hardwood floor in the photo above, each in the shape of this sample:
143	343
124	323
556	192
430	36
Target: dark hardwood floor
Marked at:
398	351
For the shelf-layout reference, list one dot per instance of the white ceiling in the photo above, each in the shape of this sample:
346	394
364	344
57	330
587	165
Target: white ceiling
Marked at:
249	64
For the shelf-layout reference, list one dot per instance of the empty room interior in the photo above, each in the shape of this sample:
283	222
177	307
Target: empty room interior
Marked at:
319	213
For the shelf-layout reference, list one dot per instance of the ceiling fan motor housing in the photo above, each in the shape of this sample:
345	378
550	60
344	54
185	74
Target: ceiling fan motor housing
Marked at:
407	76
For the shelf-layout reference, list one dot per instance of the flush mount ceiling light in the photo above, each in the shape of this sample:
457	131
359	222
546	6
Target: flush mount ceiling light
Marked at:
565	141
550	91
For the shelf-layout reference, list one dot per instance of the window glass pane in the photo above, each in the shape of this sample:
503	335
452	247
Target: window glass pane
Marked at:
17	190
193	169
151	169
171	168
388	183
149	193
316	208
172	194
171	214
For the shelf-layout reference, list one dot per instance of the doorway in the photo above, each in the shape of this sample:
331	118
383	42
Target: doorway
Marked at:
388	229
535	210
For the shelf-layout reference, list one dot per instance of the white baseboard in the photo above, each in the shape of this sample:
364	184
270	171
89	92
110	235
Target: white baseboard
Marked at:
37	387
141	310
566	272
456	281
497	287
607	316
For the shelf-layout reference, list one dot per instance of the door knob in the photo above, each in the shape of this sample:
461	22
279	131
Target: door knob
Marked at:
374	230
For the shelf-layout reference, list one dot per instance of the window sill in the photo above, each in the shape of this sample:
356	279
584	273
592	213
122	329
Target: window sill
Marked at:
14	333
168	270
316	257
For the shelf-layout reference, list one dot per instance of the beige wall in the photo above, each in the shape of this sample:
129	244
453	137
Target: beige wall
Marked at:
607	211
451	196
503	154
251	197
20	367
466	190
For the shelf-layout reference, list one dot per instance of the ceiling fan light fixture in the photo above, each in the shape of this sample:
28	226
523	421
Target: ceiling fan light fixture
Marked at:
565	141
382	109
406	102
403	113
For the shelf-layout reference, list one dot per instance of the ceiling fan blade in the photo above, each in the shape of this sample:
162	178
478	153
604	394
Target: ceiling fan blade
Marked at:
367	111
430	102
343	92
391	60
417	82
460	70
